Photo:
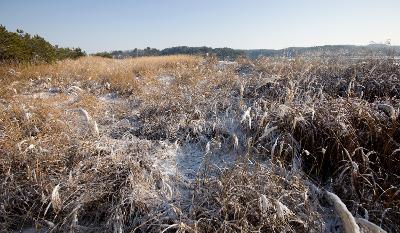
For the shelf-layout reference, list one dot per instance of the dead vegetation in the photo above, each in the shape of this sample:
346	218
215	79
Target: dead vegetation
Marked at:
185	144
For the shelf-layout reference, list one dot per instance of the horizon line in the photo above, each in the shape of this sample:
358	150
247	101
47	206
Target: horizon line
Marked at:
310	46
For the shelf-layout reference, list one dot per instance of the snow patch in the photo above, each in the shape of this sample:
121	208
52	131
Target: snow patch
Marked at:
166	79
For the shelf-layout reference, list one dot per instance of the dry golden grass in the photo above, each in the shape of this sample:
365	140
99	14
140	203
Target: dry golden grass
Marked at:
188	144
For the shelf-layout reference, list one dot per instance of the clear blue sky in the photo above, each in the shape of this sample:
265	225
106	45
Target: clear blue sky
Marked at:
98	25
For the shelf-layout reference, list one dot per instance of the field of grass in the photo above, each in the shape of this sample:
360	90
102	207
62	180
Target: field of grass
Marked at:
190	144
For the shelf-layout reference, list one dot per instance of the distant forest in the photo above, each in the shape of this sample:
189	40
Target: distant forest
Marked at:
232	54
221	53
374	49
22	47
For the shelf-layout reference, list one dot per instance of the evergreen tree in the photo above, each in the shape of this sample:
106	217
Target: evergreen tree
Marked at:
22	47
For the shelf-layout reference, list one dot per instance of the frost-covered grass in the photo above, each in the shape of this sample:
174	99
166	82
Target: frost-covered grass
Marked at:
186	144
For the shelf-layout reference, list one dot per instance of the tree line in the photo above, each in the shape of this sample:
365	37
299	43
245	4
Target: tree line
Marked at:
383	50
20	46
221	53
291	52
